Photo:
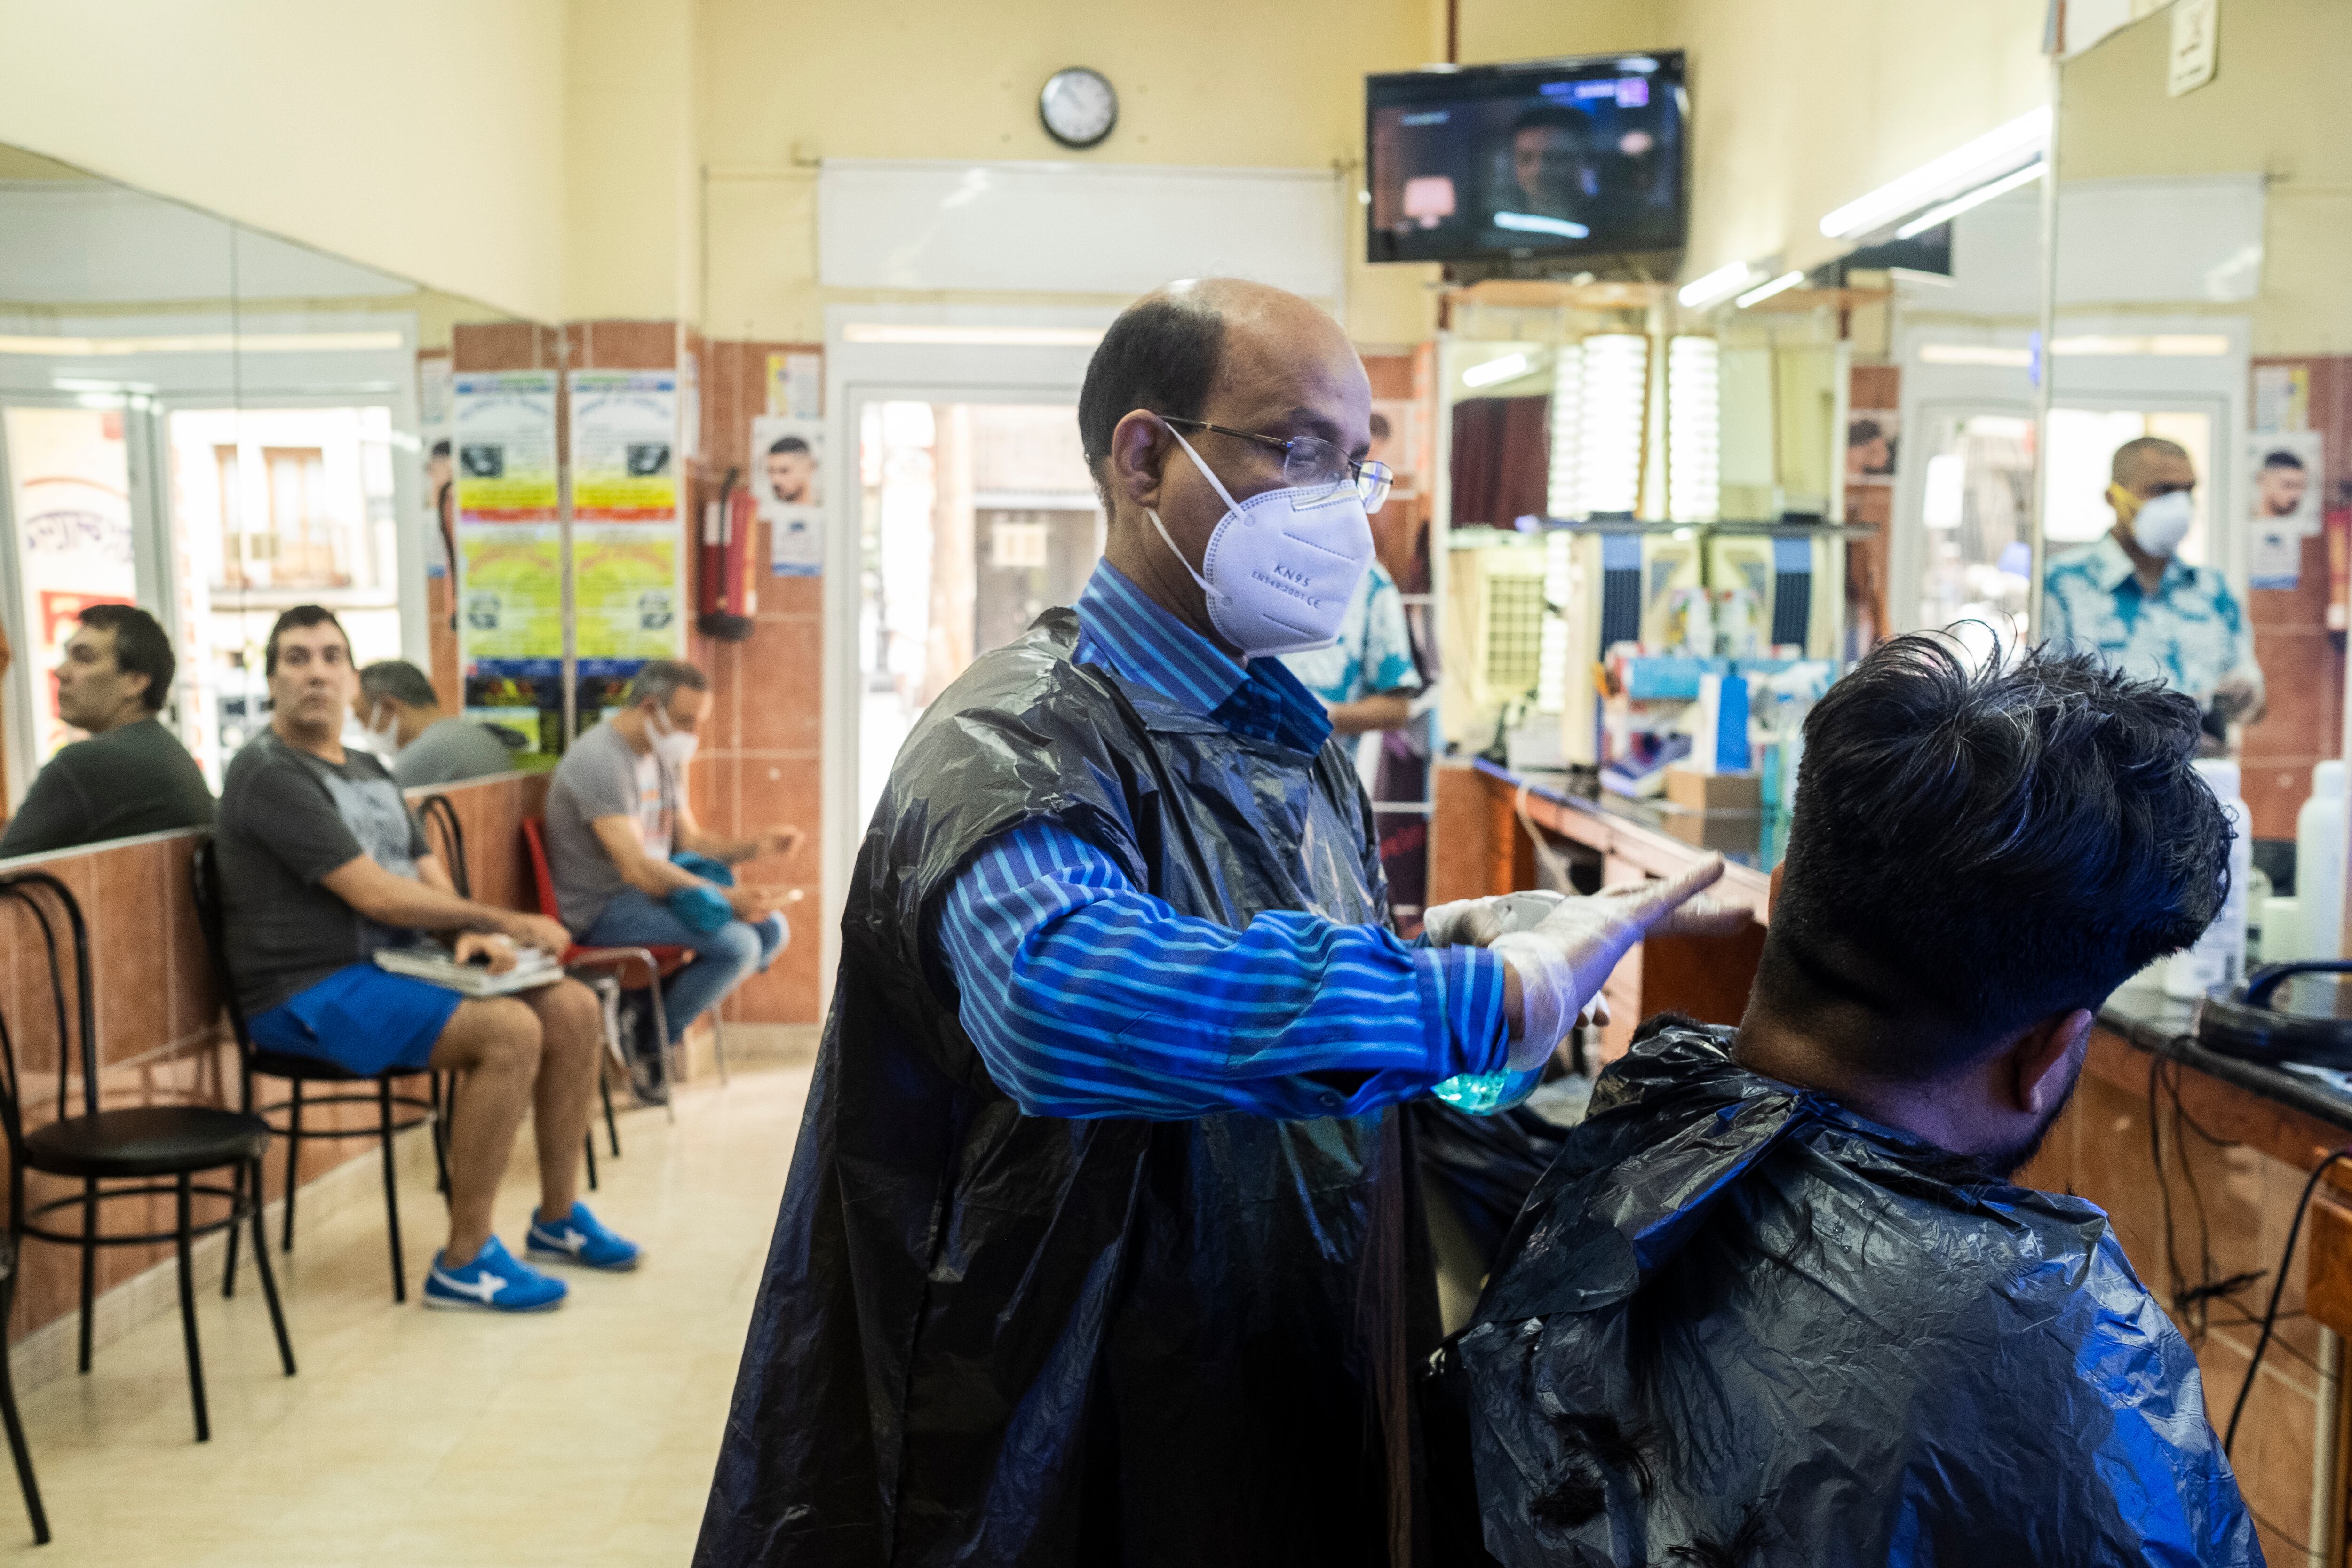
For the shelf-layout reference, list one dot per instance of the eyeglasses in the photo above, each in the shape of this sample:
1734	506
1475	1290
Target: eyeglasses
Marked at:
1315	468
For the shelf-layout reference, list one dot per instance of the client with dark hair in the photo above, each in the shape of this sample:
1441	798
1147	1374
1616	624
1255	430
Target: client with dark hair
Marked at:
1777	1303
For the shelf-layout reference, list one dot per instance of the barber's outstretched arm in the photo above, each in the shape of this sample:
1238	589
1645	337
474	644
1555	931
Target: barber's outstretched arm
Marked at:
1087	996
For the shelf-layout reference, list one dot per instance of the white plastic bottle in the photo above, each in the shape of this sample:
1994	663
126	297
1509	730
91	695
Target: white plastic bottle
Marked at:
2219	957
2319	866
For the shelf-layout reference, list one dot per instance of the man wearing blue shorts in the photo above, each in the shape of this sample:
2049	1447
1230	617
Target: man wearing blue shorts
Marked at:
322	865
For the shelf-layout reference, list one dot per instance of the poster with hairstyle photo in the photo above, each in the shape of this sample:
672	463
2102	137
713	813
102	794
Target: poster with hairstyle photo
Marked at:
788	476
2287	493
1870	441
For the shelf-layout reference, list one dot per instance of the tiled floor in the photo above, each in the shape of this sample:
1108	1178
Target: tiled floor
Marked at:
425	1439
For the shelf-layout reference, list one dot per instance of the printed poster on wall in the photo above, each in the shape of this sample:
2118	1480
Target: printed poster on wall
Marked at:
2287	490
509	545
788	474
794	383
626	585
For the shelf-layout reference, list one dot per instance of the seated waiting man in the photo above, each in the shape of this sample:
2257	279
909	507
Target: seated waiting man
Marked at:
322	864
402	714
131	775
1776	1301
617	813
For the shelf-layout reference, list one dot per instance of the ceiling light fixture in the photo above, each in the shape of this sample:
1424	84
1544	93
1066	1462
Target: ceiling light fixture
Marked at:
1495	370
1976	198
1781	285
1717	285
1996	152
200	344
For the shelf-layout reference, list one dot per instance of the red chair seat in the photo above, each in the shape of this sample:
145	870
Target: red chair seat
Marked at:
669	959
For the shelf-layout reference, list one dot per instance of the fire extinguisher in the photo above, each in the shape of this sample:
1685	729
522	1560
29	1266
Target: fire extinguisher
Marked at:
727	588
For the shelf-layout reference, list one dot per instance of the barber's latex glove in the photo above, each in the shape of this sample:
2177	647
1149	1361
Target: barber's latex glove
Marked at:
1562	963
1477	923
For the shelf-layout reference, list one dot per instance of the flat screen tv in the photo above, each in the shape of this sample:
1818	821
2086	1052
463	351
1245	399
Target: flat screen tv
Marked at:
1576	160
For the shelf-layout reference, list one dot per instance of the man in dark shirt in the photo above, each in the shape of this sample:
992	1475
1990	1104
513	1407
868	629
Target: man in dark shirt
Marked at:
322	866
402	714
131	775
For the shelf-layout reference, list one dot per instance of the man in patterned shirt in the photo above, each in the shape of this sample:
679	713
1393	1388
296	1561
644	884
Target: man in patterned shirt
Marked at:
2130	599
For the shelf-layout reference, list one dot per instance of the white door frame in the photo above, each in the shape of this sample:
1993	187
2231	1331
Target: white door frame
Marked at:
968	354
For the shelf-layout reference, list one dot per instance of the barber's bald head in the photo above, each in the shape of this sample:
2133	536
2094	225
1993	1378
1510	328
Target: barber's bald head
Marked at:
1241	355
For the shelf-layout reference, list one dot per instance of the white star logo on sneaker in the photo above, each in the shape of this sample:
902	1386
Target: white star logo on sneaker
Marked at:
572	1241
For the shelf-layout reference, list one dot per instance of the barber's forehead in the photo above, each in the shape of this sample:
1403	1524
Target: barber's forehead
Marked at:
323	634
1295	373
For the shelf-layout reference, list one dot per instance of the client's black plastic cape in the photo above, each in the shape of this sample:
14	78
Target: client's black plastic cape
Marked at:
1739	1325
991	1338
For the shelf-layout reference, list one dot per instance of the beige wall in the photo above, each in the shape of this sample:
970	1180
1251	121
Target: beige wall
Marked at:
2269	109
1228	82
632	237
425	139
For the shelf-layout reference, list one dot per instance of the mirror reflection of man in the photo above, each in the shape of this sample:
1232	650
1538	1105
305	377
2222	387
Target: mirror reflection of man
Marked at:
2132	600
131	775
1552	170
792	472
2280	484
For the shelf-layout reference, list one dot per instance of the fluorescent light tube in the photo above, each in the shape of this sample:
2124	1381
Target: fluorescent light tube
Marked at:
1786	281
1994	152
1978	198
1495	370
1719	284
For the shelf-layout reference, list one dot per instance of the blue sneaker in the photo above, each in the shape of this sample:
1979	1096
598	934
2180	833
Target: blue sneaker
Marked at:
493	1282
581	1237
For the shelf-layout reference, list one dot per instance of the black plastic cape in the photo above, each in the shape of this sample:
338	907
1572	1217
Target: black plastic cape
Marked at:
991	1338
1738	1325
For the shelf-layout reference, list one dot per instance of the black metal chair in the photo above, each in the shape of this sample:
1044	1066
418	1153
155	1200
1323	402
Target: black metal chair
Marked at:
438	812
160	1147
297	1071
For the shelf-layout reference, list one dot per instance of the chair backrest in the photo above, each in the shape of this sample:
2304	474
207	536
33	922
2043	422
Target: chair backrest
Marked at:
542	877
212	915
438	812
20	887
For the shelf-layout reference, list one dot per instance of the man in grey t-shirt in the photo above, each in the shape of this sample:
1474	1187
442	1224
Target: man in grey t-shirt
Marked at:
321	867
617	819
399	710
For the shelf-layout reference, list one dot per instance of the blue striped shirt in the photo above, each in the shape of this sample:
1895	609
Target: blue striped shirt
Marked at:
1087	996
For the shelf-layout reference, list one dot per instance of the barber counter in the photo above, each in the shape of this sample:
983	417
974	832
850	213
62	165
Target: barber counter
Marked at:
2198	1159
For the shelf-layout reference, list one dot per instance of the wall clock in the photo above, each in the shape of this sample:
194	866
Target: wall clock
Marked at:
1078	107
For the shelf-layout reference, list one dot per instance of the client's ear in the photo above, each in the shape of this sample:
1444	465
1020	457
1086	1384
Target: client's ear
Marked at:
2043	1059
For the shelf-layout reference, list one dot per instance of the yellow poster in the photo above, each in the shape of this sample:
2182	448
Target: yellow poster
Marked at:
504	432
628	590
511	591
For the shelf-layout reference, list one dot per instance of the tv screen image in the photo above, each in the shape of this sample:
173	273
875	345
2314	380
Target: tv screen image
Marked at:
1565	158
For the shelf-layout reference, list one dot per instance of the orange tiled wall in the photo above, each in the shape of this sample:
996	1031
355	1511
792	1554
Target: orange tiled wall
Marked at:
2301	659
758	763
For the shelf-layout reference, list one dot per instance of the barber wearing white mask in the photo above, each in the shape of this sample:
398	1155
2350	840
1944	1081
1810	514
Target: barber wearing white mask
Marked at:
2133	600
1103	1239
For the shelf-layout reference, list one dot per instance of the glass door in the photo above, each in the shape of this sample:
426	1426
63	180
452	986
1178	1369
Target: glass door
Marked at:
1975	522
975	519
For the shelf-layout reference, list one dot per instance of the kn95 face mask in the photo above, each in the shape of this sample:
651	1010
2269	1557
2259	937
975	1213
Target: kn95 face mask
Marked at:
1282	565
